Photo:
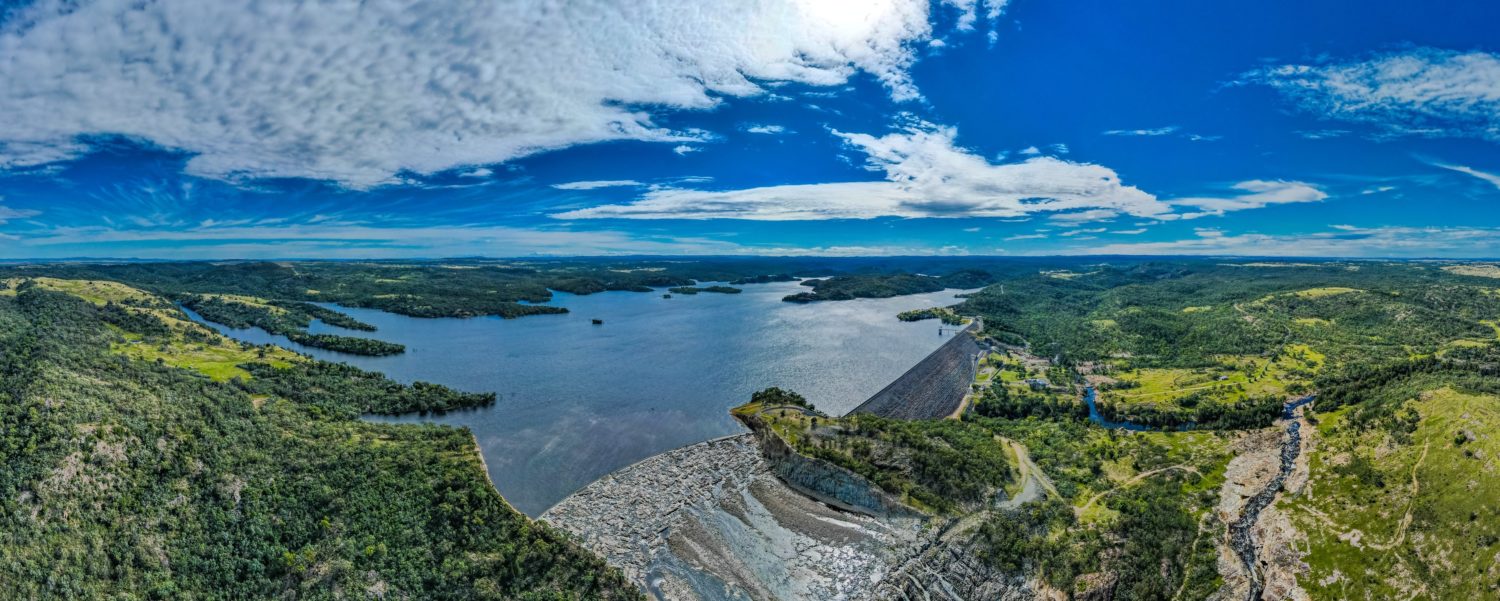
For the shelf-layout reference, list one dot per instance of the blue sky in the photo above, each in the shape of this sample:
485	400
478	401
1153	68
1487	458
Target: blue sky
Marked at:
181	129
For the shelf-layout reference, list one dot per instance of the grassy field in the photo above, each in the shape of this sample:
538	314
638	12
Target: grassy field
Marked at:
1391	519
1231	380
189	346
219	360
1482	270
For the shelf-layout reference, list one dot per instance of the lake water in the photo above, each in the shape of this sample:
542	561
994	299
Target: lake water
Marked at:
577	401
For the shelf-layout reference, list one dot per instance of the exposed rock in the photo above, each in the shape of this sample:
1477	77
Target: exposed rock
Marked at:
711	521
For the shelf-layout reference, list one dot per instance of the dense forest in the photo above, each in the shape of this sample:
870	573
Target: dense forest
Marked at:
849	287
504	287
125	479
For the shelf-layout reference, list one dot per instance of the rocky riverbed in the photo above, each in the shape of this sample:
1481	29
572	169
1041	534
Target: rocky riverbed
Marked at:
1257	558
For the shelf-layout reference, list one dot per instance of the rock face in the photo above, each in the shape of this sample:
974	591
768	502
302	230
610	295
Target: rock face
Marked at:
712	521
823	481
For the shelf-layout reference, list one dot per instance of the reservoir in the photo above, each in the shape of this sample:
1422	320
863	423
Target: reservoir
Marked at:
578	400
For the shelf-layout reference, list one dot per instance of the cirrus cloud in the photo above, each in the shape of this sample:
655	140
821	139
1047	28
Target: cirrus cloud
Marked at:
1424	92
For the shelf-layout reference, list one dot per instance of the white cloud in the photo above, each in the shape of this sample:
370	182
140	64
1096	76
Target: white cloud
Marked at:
1377	190
1130	232
1159	131
1425	92
7	213
766	129
1030	151
358	92
1255	194
1026	237
1071	233
336	240
684	149
1088	216
971	229
478	172
926	175
1323	134
1492	178
596	184
1344	241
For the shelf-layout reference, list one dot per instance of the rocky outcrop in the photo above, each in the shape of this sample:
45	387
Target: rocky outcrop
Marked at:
821	480
950	569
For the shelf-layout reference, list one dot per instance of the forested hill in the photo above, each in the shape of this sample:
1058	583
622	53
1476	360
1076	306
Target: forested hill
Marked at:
140	462
510	287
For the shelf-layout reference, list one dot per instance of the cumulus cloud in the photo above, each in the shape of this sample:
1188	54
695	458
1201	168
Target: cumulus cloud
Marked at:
360	92
1254	194
1341	241
596	184
926	175
1425	92
765	129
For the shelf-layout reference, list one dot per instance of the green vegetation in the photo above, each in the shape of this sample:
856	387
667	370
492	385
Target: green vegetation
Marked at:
1403	492
1134	505
714	289
847	287
763	279
348	344
942	466
130	479
945	314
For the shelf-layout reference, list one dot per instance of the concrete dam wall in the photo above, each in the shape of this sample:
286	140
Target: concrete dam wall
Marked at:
933	388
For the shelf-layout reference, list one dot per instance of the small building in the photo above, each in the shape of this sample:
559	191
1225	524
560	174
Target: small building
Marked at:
1037	383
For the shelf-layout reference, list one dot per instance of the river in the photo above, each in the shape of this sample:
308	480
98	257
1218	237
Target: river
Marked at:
577	400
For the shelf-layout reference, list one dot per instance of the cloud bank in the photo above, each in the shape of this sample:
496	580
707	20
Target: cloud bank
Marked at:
361	92
1339	241
926	174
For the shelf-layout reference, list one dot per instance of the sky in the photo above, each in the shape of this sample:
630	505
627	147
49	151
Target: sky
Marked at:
182	129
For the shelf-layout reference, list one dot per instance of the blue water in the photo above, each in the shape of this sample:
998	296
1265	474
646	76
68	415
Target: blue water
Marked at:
1089	396
577	401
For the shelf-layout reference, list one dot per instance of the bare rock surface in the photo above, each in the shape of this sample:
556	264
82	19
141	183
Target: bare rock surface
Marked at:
712	521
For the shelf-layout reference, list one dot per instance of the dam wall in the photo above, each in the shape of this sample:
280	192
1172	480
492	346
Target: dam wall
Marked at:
933	388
